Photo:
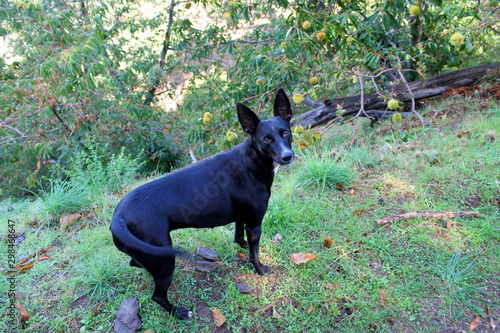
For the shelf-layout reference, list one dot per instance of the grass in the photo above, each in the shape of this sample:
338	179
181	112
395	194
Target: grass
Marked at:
420	275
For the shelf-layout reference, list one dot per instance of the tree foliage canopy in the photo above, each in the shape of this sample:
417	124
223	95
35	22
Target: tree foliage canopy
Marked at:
70	69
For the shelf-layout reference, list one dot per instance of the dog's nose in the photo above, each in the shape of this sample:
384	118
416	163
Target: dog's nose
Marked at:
287	158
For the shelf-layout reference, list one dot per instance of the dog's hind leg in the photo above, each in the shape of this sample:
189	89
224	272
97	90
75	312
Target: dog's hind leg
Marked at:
135	263
163	273
239	234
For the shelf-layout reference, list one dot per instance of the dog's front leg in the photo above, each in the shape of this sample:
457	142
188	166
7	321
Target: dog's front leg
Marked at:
253	237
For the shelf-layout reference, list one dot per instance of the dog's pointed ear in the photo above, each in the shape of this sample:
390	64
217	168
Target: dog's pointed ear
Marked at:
248	119
282	106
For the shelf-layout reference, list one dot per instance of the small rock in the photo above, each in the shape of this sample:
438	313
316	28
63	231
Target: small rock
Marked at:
206	266
243	288
207	253
127	318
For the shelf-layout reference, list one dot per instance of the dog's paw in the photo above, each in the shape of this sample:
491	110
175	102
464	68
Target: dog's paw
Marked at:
182	313
241	242
263	270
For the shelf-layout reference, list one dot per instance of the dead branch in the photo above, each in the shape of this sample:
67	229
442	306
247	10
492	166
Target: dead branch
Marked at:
422	89
426	214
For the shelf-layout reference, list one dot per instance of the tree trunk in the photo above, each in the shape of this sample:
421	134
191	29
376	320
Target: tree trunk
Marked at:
166	45
374	105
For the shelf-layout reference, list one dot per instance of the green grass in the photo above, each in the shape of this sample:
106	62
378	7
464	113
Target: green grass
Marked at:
408	276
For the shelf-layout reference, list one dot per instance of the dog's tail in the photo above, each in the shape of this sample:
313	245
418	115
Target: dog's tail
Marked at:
126	242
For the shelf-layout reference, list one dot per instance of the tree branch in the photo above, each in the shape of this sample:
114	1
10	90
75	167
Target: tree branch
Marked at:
166	45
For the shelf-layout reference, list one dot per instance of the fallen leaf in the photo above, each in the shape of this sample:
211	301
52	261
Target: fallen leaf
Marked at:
267	307
22	260
66	221
219	317
382	296
277	239
299	258
462	133
24	314
490	319
332	286
242	257
352	192
19	239
327	242
25	265
310	309
276	314
475	322
359	212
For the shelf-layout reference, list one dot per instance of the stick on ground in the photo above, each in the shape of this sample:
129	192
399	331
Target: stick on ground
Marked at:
425	214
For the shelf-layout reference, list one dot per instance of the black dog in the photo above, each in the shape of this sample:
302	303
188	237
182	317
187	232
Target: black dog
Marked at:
232	186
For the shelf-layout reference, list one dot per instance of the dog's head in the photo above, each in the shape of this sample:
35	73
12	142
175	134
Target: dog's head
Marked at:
272	137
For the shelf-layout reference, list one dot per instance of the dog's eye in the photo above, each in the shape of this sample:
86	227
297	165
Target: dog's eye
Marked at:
286	133
267	139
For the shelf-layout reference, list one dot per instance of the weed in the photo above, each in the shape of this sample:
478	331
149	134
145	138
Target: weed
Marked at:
62	197
321	172
94	168
457	275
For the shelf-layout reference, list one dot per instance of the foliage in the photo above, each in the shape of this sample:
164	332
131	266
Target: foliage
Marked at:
88	168
74	73
73	68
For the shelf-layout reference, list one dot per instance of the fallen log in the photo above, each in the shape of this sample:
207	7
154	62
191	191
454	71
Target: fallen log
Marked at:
425	214
376	107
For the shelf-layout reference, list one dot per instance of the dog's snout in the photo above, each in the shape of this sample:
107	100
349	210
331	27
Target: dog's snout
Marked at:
287	157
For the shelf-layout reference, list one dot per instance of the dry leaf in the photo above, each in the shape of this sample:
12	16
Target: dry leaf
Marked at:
490	319
327	242
25	265
310	309
24	314
277	239
449	224
31	255
66	221
219	317
359	212
242	257
382	296
462	133
299	258
475	322
352	192
276	314
267	307
332	286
